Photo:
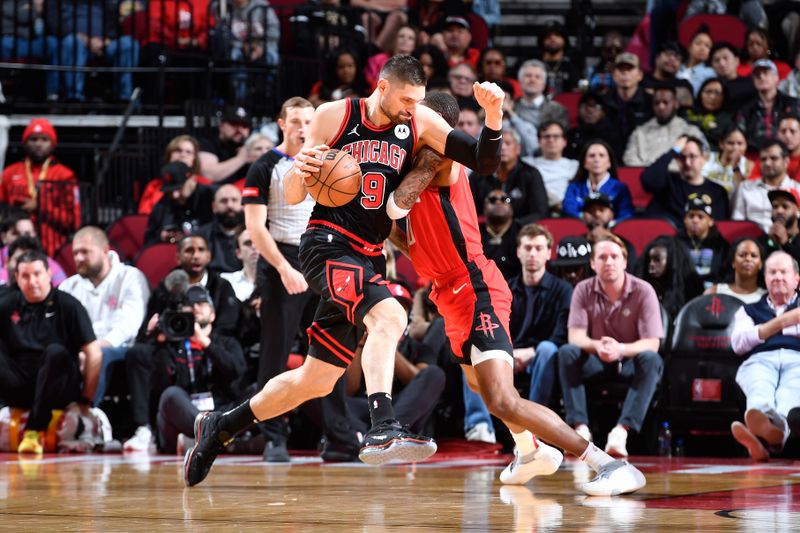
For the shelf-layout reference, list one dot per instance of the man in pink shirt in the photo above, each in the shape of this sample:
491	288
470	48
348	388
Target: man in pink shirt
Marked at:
614	329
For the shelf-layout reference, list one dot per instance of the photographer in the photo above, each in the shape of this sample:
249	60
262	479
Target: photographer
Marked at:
186	363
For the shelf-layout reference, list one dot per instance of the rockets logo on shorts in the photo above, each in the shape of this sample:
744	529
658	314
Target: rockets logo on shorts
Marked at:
486	326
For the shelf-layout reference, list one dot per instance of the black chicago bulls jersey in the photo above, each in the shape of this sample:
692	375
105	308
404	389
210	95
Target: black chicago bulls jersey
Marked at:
385	156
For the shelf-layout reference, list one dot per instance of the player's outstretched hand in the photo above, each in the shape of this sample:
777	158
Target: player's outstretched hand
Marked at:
309	160
489	95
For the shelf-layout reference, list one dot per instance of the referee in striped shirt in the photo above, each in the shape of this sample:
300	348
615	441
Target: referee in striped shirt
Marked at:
287	304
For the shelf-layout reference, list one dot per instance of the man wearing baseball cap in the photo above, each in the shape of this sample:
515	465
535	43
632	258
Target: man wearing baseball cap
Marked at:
223	158
760	118
703	241
41	186
628	104
572	259
457	37
784	234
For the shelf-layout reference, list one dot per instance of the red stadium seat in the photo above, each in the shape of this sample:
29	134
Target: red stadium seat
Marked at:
641	231
570	102
562	227
733	230
631	176
721	27
127	235
157	261
64	258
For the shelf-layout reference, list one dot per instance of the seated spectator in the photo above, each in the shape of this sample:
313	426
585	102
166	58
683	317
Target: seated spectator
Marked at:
751	201
24	38
757	47
247	31
709	113
433	62
670	190
728	167
784	234
696	69
499	232
628	104
594	123
224	159
183	148
666	66
705	245
193	259
492	66
598	215
457	37
539	310
114	294
382	19
461	78
602	79
760	117
648	141
21	227
521	182
789	135
185	206
256	145
43	187
790	86
572	260
342	77
42	332
597	173
220	233
724	59
563	74
746	264
418	380
666	266
469	122
556	170
614	330
528	134
85	29
534	106
244	281
404	42
210	381
766	332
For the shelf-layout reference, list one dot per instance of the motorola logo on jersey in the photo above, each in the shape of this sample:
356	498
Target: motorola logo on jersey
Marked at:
375	151
401	131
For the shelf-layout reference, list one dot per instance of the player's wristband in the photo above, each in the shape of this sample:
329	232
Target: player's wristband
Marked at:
394	211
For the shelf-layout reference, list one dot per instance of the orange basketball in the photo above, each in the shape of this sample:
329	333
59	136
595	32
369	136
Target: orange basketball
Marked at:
338	181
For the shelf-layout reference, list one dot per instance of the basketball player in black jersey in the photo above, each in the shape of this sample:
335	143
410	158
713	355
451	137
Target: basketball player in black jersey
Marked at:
342	261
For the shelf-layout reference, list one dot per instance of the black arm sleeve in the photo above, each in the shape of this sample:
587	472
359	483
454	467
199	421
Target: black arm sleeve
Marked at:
482	155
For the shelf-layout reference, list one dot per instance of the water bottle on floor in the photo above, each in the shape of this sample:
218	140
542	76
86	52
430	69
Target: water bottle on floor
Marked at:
665	441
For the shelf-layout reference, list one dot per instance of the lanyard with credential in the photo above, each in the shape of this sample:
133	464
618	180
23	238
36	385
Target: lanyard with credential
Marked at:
189	360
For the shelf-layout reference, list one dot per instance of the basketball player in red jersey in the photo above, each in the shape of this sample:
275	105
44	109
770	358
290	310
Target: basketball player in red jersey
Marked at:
341	258
444	243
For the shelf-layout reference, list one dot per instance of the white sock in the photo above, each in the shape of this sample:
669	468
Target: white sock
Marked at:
595	457
526	442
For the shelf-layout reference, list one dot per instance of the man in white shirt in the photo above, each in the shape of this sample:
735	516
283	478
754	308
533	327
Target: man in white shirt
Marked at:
114	294
556	170
244	281
750	200
768	333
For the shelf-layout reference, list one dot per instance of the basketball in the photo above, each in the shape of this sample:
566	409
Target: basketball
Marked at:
338	181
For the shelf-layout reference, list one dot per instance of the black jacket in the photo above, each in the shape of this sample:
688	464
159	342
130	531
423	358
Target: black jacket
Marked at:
524	185
189	217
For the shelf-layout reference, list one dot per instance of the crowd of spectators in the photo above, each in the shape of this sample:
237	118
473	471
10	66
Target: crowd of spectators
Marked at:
714	132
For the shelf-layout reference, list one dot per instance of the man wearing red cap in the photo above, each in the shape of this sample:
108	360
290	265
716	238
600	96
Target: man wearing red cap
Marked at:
43	187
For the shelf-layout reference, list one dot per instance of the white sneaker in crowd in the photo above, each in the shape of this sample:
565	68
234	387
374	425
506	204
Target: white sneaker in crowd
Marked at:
480	432
583	431
142	441
616	442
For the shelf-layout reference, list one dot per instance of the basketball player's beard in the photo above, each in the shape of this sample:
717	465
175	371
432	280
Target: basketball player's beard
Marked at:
395	118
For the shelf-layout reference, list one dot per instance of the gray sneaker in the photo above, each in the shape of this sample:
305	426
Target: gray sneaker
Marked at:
615	478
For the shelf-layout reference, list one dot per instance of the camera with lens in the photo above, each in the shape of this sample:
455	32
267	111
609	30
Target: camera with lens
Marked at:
176	325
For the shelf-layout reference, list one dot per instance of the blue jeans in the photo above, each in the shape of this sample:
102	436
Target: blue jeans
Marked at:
111	354
122	52
475	410
543	370
44	48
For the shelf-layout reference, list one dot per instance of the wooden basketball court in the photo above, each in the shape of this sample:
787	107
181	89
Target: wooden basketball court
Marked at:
452	493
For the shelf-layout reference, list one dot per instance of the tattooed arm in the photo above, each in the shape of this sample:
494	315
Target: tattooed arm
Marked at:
430	168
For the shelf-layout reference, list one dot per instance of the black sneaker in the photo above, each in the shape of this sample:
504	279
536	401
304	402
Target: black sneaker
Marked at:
339	452
276	452
209	442
390	441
